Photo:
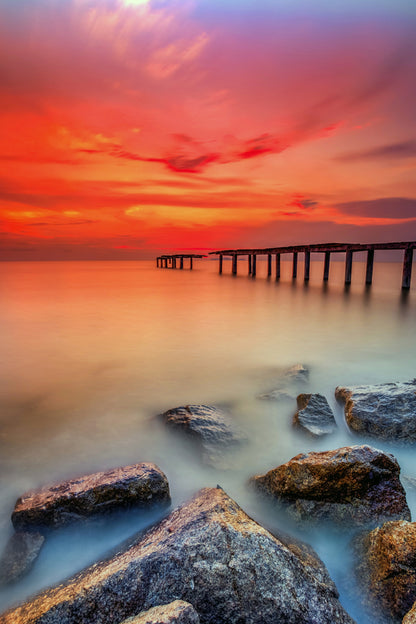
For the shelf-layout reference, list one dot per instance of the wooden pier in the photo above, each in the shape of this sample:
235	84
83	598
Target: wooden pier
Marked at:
323	248
171	261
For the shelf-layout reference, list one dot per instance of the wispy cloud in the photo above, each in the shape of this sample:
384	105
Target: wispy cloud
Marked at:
399	150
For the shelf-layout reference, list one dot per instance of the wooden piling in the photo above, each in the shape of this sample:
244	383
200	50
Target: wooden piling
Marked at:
254	265
295	265
181	262
277	267
326	265
249	264
234	269
407	267
191	263
348	266
220	264
307	266
369	267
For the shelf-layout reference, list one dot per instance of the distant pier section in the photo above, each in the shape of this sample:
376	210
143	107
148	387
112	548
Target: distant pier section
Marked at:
322	248
171	261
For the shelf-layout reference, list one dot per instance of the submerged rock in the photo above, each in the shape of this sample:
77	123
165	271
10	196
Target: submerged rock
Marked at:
385	411
20	553
352	485
386	568
314	416
210	427
142	485
207	552
286	385
177	612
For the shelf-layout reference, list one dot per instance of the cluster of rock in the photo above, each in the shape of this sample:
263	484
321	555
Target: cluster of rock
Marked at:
210	562
141	485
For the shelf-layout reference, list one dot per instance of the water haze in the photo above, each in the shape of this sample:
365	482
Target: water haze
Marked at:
93	351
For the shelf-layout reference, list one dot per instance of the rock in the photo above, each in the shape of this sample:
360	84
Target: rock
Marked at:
207	552
284	388
386	568
20	553
208	426
352	485
385	411
314	415
142	485
177	612
410	618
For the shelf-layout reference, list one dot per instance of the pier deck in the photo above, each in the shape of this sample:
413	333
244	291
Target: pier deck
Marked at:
324	248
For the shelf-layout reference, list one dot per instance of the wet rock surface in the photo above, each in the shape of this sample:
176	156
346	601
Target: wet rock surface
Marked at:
210	427
386	568
353	485
177	612
385	411
207	552
20	553
314	416
141	484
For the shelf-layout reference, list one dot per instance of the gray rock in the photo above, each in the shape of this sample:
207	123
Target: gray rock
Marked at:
354	485
20	553
314	416
210	428
207	552
386	569
410	617
177	612
385	411
142	485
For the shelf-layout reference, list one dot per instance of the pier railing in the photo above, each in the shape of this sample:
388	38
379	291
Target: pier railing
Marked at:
324	248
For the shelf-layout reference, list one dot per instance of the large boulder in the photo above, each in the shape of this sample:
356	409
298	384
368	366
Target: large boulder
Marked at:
209	427
385	411
208	553
352	485
20	553
142	485
314	416
176	612
386	568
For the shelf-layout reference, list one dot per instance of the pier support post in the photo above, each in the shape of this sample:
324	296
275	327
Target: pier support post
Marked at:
295	265
369	269
307	266
157	263
220	264
326	265
269	265
249	264
348	266
407	268
191	264
173	263
181	263
277	267
234	264
254	267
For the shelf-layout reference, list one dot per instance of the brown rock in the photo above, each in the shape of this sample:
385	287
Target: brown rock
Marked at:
351	485
20	553
141	485
410	617
207	552
177	612
386	568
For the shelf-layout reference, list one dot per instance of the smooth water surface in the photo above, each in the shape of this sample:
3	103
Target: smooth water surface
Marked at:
92	351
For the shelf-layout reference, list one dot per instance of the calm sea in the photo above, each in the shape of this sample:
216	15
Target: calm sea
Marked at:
92	351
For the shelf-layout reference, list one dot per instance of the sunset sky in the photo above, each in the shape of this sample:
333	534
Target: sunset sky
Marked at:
134	127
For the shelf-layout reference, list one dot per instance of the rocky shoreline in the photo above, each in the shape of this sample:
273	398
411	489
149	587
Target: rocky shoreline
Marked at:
208	561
